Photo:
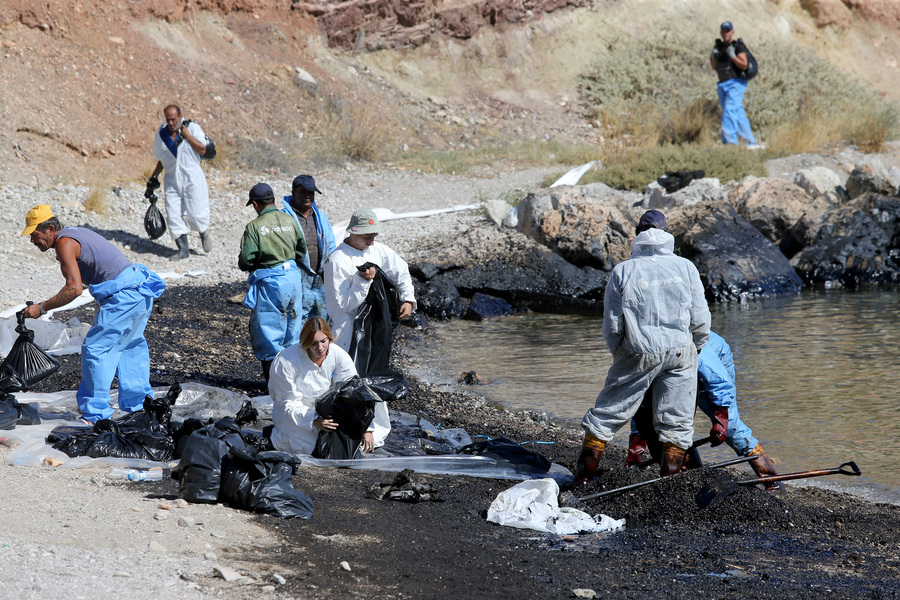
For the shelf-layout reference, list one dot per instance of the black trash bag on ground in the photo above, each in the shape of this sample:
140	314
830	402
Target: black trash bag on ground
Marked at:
247	414
26	363
154	223
13	413
261	482
673	181
352	405
373	326
508	450
109	438
155	416
200	469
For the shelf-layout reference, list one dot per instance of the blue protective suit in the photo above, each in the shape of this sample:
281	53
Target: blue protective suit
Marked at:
716	388
276	301
313	286
735	124
115	344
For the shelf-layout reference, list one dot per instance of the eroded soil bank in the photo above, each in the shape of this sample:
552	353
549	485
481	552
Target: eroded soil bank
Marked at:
809	543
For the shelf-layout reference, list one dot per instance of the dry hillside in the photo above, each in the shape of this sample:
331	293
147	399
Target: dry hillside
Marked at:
83	82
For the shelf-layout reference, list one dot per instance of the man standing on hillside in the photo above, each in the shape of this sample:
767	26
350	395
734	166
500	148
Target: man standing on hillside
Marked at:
728	57
271	250
301	205
115	344
655	321
187	195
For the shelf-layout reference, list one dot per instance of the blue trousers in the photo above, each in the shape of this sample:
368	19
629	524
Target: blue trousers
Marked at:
313	297
735	125
115	346
275	320
738	436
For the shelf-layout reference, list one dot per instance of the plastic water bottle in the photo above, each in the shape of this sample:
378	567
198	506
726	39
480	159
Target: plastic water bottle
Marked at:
136	474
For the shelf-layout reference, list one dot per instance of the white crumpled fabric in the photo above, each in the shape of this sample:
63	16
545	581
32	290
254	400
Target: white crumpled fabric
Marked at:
533	505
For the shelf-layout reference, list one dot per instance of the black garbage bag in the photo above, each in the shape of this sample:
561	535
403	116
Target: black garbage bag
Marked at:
508	450
26	363
13	413
200	469
109	438
373	326
247	414
154	223
673	181
261	482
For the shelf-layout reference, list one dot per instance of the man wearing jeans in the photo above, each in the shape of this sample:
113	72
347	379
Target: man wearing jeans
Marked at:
728	57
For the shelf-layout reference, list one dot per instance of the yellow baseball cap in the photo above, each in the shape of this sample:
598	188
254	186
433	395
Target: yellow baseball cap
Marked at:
35	217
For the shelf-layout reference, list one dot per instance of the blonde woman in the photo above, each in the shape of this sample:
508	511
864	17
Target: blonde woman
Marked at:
301	374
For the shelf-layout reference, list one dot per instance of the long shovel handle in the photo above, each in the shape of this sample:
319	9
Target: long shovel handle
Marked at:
726	463
851	469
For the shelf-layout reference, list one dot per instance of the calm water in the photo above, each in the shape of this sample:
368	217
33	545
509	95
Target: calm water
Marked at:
817	375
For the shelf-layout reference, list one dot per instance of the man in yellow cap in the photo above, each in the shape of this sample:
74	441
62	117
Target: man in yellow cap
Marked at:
115	344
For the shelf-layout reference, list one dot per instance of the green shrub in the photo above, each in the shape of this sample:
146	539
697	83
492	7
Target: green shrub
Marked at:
640	168
522	154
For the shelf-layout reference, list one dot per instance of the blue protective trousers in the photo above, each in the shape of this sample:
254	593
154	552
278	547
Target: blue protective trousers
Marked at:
313	296
735	125
115	346
276	301
738	436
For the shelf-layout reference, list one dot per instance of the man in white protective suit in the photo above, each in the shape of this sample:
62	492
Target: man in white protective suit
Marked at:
655	322
178	146
347	286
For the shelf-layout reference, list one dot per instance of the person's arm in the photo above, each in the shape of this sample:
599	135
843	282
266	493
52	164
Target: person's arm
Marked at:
67	252
300	248
249	250
343	285
397	269
701	320
198	146
738	55
286	396
157	170
613	315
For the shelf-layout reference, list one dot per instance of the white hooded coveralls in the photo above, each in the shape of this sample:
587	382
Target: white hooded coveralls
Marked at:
187	195
655	320
345	291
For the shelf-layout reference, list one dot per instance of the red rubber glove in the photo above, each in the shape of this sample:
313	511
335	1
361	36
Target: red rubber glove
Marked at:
719	430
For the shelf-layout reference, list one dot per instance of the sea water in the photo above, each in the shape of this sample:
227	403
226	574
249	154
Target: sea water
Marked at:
818	376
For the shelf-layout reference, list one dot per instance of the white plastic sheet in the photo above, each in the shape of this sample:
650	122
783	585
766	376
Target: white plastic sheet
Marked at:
534	505
54	337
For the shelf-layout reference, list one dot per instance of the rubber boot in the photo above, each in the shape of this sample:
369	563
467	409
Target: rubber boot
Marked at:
266	365
591	450
764	467
637	447
672	459
182	242
206	241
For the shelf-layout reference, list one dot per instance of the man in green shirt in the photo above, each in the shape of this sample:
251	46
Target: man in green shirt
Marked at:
271	248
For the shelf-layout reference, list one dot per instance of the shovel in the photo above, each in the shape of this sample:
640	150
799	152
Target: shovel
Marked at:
714	492
727	463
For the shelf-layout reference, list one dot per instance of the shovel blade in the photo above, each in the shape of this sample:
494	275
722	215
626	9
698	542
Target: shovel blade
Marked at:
712	493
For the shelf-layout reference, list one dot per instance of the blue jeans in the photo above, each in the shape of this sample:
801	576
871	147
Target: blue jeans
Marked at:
313	297
735	125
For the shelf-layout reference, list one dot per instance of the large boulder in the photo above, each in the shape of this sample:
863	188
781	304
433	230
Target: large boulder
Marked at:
507	264
859	243
698	191
818	181
774	206
736	262
586	225
870	178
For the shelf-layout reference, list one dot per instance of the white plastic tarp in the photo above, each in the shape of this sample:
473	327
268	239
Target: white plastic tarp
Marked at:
534	505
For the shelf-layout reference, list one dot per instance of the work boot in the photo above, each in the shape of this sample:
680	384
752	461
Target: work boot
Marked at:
182	242
591	450
672	459
206	241
637	447
266	365
764	467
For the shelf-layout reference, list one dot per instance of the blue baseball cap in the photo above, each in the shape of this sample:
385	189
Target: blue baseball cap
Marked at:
261	192
652	219
306	182
726	26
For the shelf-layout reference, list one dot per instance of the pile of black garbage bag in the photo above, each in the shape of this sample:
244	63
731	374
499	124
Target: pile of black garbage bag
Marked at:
25	365
219	462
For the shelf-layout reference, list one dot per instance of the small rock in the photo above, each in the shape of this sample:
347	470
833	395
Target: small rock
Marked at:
584	593
161	516
185	521
245	580
52	462
181	503
123	574
218	533
226	573
157	547
345	565
210	556
164	506
268	588
278	579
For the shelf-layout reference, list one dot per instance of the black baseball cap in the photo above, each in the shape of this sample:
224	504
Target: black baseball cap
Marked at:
306	182
726	26
261	192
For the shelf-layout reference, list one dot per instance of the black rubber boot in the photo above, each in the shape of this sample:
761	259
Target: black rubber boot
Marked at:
266	365
182	243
